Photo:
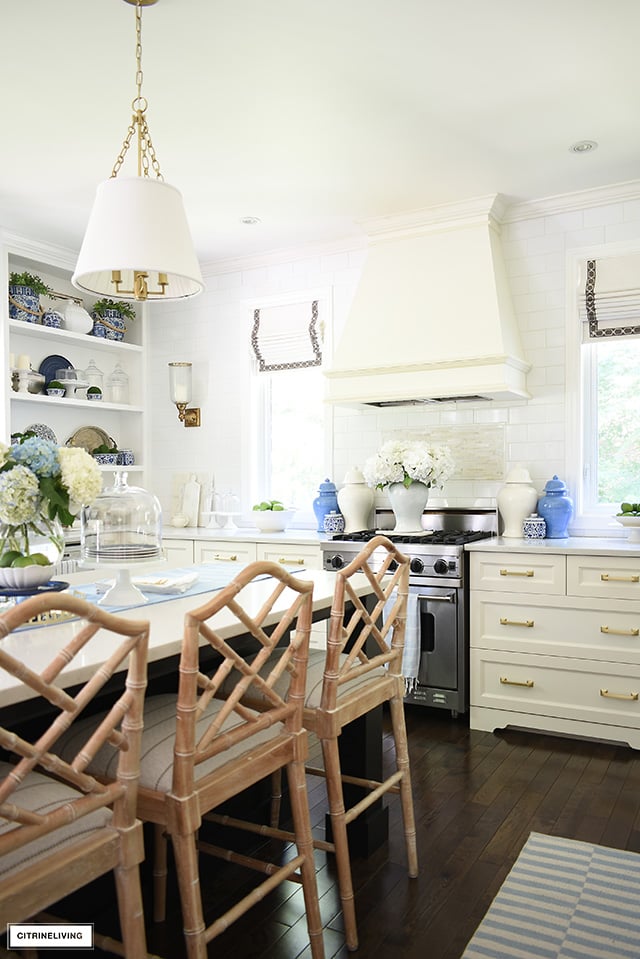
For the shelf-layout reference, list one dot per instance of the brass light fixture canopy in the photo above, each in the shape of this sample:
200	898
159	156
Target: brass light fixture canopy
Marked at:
137	245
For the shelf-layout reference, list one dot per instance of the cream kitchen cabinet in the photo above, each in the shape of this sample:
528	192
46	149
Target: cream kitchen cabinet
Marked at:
212	551
178	552
290	554
566	660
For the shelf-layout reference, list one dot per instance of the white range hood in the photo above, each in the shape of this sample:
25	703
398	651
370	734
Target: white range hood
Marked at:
432	318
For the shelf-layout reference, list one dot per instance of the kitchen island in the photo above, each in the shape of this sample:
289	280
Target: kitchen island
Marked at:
555	636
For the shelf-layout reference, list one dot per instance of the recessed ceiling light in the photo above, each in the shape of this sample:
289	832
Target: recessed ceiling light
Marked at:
249	220
583	146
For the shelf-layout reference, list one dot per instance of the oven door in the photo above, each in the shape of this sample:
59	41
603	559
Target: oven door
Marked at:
437	636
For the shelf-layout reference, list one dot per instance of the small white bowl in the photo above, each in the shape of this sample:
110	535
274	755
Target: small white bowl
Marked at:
272	521
25	577
632	523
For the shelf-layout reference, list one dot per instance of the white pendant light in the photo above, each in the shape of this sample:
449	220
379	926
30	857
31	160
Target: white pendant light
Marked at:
137	245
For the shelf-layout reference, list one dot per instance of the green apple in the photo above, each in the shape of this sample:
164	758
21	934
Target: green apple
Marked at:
7	558
40	559
21	561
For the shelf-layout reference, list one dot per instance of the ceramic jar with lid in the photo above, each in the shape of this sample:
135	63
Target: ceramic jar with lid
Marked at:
556	508
355	500
325	502
534	527
516	500
333	523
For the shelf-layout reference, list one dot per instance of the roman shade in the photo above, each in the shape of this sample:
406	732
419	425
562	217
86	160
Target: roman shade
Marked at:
610	306
285	337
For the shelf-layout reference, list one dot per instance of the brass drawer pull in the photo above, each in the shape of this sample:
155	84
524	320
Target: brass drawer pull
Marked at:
514	682
630	696
516	622
607	578
227	559
516	572
291	562
634	631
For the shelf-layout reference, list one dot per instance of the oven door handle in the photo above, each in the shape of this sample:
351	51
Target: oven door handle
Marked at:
449	598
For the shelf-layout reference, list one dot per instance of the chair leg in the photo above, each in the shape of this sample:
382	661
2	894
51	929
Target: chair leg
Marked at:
159	873
396	708
276	797
130	911
304	841
186	857
339	829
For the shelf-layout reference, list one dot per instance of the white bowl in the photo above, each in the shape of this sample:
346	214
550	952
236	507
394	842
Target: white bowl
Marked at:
25	577
632	523
272	521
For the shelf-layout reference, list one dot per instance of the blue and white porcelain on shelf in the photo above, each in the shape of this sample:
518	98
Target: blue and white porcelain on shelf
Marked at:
52	319
333	522
556	508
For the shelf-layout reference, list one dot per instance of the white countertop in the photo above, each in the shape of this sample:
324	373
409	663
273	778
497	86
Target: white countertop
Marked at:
296	537
578	545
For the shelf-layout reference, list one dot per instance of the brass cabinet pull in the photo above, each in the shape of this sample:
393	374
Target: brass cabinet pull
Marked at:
607	578
515	622
228	559
516	572
291	562
514	682
634	631
630	696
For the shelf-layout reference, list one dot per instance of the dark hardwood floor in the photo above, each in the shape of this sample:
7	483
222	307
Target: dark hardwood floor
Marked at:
477	798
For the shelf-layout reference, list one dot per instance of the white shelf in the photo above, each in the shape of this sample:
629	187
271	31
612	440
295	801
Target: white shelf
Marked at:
69	401
64	336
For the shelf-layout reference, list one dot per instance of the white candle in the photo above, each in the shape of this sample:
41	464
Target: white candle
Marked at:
12	361
24	363
180	394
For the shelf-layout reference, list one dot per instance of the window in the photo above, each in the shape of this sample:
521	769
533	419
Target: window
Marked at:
291	437
604	349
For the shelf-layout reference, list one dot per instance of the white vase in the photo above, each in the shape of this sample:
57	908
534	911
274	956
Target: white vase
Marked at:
76	318
408	503
516	500
355	500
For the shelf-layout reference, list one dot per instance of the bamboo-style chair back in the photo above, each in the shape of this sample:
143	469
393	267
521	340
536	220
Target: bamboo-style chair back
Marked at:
235	723
369	639
23	829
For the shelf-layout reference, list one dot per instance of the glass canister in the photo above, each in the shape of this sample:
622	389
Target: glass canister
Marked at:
118	386
325	502
93	376
556	508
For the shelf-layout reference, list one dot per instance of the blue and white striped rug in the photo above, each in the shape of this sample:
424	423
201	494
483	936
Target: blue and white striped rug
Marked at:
564	899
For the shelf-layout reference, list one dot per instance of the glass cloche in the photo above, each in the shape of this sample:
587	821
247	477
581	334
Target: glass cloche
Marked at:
122	527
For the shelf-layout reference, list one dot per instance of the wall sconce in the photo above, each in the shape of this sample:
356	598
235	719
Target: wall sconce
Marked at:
180	390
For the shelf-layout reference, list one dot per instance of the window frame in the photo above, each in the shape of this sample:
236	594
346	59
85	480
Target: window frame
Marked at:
580	399
260	416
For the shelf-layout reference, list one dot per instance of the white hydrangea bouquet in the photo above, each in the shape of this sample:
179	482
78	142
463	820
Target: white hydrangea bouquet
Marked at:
42	488
407	462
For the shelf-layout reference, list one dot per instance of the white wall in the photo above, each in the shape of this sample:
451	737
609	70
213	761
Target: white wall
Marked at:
213	332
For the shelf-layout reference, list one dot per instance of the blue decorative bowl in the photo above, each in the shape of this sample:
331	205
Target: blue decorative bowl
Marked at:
106	459
55	392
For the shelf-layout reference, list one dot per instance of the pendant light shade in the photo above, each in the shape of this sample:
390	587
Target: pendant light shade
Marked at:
138	228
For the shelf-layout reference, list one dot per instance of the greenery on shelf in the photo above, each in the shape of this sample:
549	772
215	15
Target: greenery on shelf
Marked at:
103	448
123	308
31	280
95	391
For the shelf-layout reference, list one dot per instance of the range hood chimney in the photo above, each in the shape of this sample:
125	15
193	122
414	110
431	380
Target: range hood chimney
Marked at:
432	318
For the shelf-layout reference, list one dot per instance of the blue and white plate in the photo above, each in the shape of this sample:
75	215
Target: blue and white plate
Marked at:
51	364
43	431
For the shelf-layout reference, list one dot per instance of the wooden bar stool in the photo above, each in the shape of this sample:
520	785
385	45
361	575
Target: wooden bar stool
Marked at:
61	828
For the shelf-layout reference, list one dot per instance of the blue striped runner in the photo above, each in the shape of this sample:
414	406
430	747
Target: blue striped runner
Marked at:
564	899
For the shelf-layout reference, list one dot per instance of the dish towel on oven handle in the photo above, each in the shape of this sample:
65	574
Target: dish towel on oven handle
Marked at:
411	652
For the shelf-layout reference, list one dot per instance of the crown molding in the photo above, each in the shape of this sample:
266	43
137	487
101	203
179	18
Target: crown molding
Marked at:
570	202
56	256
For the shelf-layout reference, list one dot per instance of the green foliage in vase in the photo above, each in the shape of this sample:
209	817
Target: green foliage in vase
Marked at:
31	280
120	306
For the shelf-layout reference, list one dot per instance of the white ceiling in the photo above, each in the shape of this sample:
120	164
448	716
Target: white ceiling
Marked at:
314	115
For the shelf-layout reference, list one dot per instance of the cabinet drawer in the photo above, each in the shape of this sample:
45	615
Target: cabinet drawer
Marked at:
211	551
596	692
609	577
557	628
178	552
290	555
519	572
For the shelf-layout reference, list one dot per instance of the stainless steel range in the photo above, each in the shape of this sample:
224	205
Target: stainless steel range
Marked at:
439	579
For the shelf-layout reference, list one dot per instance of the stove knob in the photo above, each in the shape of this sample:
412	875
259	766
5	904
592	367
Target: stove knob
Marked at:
393	565
337	561
441	567
416	565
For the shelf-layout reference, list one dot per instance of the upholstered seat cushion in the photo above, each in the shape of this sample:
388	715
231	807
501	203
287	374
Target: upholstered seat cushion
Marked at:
40	793
315	673
156	757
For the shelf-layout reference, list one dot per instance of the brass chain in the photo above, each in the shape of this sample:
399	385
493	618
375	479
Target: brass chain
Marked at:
147	158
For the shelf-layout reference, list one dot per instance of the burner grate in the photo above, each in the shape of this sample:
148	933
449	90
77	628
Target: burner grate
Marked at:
438	537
